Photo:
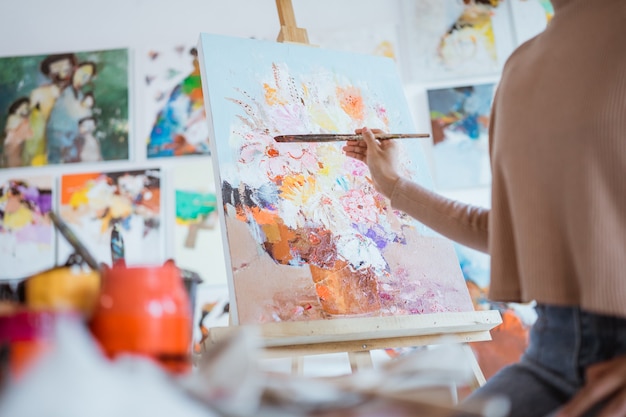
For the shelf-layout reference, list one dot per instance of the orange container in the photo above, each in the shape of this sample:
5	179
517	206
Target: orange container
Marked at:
145	311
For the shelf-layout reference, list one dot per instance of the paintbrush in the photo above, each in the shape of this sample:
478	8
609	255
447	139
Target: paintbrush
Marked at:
334	137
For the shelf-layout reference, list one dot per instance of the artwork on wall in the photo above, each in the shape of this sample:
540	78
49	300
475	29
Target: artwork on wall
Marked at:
197	237
174	121
97	206
307	236
530	17
448	39
64	108
459	119
379	40
26	231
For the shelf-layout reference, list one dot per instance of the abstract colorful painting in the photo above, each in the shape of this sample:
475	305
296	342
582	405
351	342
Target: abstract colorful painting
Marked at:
26	231
103	207
197	236
174	118
307	235
459	119
449	38
64	108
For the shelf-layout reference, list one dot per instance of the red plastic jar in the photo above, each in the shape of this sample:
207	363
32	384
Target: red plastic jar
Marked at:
145	311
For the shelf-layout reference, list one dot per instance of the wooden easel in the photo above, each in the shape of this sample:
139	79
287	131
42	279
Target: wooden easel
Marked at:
359	336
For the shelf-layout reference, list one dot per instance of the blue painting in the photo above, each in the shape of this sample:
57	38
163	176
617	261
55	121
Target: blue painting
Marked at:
459	119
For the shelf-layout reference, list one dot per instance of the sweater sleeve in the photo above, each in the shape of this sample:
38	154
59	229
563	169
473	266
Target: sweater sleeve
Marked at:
463	223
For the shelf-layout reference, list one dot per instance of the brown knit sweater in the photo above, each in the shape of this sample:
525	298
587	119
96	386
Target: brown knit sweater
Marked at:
556	230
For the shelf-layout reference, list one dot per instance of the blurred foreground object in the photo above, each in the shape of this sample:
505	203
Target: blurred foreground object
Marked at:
63	288
27	335
145	311
74	379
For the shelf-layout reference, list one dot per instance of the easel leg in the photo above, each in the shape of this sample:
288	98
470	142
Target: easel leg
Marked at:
297	365
478	373
360	360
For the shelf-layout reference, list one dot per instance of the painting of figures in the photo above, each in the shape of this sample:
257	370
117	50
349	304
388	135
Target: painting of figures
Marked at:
119	210
174	118
64	108
26	231
307	236
459	118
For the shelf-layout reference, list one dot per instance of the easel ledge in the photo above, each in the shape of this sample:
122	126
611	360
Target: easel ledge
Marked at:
367	333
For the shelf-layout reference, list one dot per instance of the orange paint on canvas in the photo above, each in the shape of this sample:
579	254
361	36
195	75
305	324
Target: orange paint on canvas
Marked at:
74	183
271	96
351	102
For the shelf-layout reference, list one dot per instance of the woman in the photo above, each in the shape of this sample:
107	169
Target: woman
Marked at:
556	231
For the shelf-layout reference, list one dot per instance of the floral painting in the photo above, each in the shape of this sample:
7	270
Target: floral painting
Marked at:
174	122
307	235
114	211
26	230
459	118
64	108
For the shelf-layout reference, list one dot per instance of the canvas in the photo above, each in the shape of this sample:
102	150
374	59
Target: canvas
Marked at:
173	121
307	236
459	118
101	207
449	39
197	237
26	230
64	108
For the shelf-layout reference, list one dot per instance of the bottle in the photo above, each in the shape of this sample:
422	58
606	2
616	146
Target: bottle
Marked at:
117	244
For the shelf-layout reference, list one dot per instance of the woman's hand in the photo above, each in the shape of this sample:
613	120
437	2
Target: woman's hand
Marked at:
380	156
606	381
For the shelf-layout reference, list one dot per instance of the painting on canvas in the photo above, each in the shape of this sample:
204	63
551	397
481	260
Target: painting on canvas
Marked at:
174	121
449	39
26	231
307	236
459	118
380	40
197	236
64	108
103	207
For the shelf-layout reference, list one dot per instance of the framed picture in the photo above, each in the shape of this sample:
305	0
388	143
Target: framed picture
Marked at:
26	230
64	108
459	118
114	209
173	117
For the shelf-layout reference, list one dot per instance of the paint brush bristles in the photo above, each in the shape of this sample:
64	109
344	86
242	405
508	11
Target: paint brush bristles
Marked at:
332	137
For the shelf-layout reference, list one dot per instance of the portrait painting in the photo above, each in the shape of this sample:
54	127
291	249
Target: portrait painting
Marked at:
64	108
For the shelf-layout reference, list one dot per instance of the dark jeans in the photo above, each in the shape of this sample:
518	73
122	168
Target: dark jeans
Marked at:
563	342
